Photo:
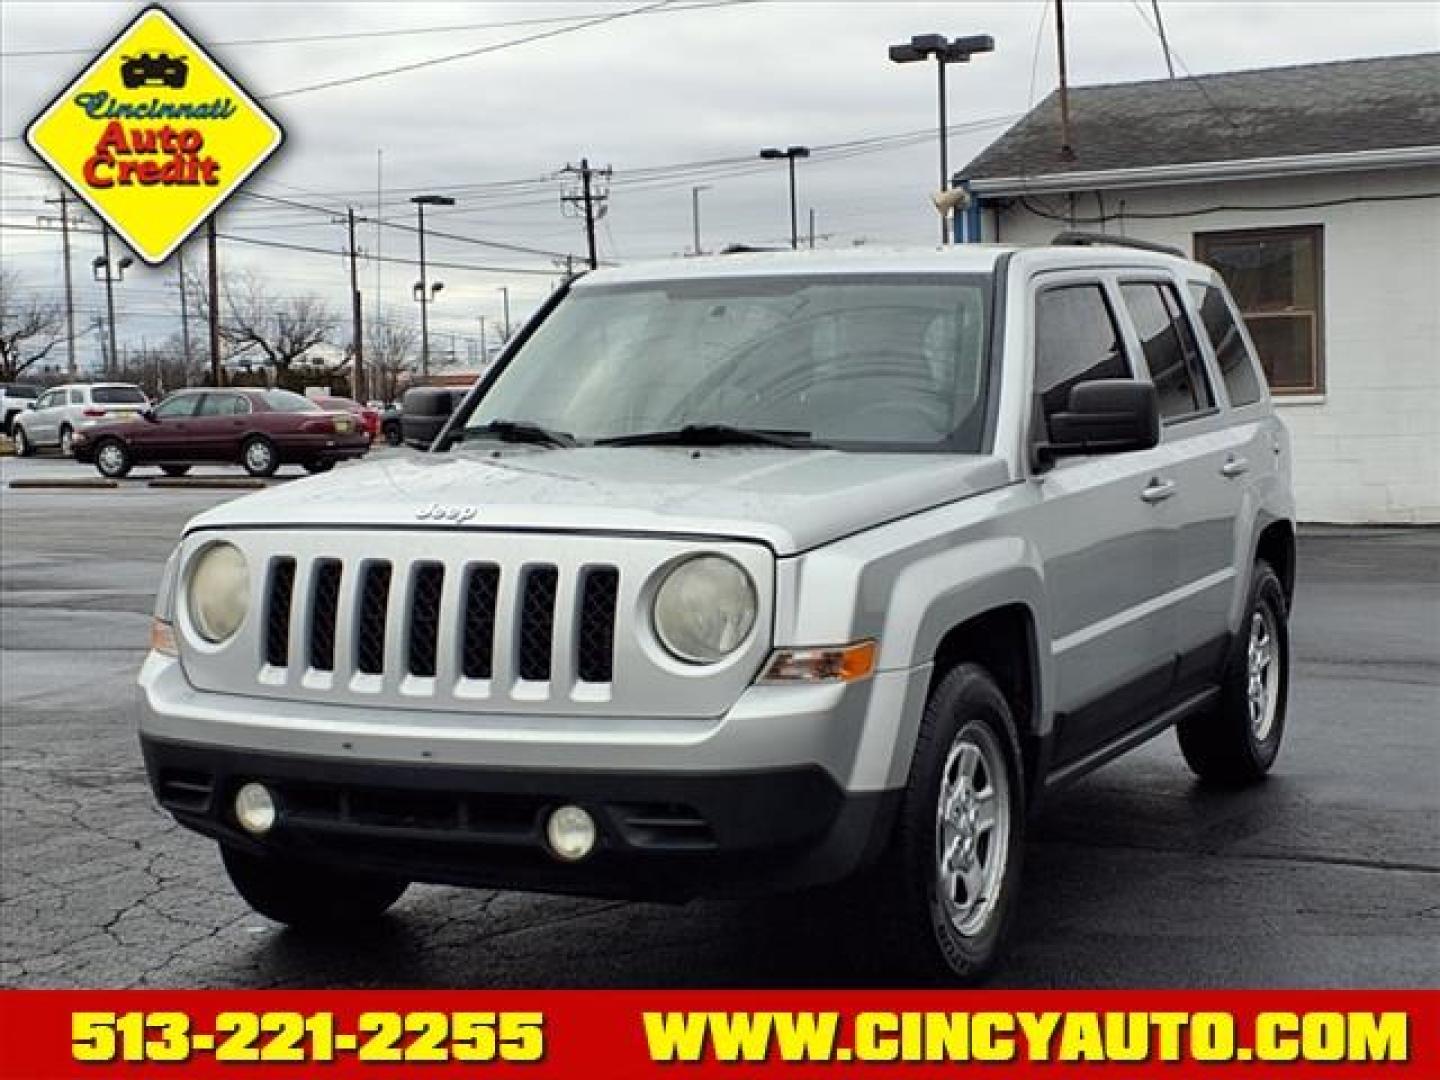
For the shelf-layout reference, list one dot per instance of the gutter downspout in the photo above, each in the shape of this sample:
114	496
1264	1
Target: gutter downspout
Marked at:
967	221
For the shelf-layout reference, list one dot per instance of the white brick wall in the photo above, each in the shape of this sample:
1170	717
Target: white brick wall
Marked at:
1368	448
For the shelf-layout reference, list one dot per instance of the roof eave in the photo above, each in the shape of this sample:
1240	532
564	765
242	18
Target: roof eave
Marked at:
1205	171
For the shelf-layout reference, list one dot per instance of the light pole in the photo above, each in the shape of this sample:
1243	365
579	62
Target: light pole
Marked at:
945	51
504	291
110	272
790	153
695	212
423	293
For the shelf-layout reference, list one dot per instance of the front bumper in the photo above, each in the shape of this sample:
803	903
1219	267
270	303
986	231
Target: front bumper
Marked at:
662	836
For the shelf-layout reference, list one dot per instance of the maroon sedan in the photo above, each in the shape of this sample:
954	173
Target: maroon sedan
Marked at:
259	429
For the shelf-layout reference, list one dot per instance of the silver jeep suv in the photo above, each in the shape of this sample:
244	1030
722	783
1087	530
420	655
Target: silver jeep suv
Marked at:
749	573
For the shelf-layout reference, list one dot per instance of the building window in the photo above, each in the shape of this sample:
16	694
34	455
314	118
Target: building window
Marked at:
1275	276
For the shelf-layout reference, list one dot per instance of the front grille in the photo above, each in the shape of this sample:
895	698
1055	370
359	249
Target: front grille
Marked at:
461	624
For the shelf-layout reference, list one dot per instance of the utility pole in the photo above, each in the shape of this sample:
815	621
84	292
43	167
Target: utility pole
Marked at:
357	344
695	212
64	203
812	228
1067	151
217	372
184	312
484	348
591	198
505	293
1164	42
110	278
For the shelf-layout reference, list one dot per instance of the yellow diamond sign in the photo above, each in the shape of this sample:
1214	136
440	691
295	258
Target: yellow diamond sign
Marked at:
154	135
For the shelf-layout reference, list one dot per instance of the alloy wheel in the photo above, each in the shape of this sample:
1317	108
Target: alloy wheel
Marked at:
972	831
1263	684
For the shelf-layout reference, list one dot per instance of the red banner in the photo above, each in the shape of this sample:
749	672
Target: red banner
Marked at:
609	1035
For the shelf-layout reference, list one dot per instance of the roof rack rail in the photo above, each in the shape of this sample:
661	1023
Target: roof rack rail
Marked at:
1071	238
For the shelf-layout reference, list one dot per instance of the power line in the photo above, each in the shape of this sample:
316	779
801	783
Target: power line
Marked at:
1190	76
435	61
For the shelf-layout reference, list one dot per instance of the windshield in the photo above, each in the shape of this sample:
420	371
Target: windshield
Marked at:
285	401
118	395
881	362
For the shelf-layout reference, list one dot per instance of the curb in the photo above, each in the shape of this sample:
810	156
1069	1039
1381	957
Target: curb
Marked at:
207	482
98	482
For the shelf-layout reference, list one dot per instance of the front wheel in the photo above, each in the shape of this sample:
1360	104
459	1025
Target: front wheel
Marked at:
259	457
308	896
949	882
23	446
67	442
113	459
1236	743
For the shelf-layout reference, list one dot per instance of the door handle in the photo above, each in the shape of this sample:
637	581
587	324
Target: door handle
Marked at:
1234	466
1158	490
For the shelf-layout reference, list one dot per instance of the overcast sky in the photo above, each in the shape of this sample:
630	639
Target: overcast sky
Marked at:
655	89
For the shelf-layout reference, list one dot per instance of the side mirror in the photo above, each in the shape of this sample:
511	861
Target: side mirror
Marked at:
1106	416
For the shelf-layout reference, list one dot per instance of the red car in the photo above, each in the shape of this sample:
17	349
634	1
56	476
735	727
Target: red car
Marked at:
259	429
369	418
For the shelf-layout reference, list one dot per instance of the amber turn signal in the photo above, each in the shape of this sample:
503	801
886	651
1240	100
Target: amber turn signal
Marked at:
162	638
838	664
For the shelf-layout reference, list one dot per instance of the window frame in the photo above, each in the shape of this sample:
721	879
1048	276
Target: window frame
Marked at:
1197	364
1315	234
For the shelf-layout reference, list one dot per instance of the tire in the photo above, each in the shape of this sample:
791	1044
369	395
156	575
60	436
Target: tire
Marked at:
1236	743
313	467
946	925
393	435
259	456
308	896
175	470
67	442
23	446
113	459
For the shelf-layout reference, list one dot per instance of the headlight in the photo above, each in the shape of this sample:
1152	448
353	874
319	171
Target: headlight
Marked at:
705	609
219	592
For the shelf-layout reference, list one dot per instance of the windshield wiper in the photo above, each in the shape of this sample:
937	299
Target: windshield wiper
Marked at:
521	431
713	435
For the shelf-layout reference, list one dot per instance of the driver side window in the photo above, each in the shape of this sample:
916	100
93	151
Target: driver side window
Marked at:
1076	340
177	407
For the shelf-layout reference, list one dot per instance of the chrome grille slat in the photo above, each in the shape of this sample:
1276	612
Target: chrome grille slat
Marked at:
300	618
397	629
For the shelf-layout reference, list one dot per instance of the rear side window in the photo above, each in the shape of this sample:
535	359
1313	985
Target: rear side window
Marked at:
1076	341
1172	356
118	395
222	405
1236	367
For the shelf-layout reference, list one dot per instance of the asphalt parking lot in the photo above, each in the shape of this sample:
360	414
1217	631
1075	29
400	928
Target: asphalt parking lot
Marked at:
1328	875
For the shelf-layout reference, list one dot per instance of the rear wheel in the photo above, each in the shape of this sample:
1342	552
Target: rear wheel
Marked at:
949	882
1237	742
259	457
175	470
308	896
113	459
319	466
23	446
67	442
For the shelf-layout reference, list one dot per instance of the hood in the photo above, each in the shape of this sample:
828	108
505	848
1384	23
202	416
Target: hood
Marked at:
791	500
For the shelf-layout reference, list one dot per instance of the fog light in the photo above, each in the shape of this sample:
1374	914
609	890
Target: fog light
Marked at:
571	833
255	809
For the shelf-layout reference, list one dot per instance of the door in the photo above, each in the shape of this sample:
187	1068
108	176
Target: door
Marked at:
217	427
1106	529
166	435
42	424
1209	463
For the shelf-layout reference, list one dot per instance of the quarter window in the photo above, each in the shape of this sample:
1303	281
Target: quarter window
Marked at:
1172	355
1275	277
1236	367
1076	341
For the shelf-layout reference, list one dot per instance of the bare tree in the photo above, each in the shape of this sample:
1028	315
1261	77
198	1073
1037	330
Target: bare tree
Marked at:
390	355
29	328
261	329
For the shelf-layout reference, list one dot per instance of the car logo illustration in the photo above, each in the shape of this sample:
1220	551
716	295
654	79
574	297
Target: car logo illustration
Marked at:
436	512
160	69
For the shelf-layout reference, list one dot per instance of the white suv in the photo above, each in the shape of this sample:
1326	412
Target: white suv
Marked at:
63	410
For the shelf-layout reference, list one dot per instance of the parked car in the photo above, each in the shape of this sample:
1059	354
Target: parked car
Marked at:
259	429
392	425
424	411
62	411
15	398
369	418
748	573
